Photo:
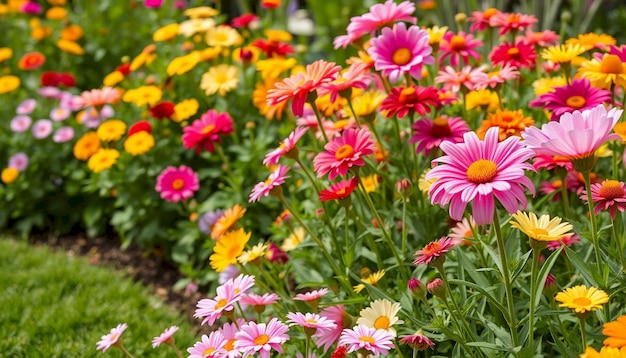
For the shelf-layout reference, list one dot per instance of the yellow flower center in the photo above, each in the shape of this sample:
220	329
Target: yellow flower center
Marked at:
208	351
407	95
557	184
234	251
576	101
432	248
312	321
221	78
611	64
581	301
367	339
440	128
262	339
402	56
611	189
341	192
221	303
537	232
457	43
513	52
381	322
208	129
344	151
230	345
482	171
514	18
489	13
178	184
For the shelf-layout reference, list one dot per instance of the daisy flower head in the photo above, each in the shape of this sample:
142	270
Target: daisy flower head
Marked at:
592	40
42	128
480	19
228	248
460	47
429	134
418	341
356	76
610	70
510	123
550	162
203	133
381	314
410	100
543	38
112	339
344	152
227	221
167	337
261	338
542	228
480	171
562	53
340	191
605	352
176	184
499	76
376	341
577	95
103	159
229	330
20	123
463	230
401	50
220	79
311	322
341	318
271	186
369	278
18	161
610	195
209	347
257	302
314	295
26	107
253	255
467	79
63	134
615	332
286	148
434	252
508	22
518	55
582	299
211	309
99	97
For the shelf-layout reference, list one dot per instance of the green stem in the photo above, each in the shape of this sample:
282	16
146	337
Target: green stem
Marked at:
618	241
583	333
318	116
564	193
533	293
308	174
594	225
179	354
356	118
127	353
404	231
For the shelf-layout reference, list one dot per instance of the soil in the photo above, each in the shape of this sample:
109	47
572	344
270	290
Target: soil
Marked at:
152	271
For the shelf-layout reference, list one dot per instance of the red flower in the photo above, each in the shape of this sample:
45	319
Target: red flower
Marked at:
31	61
518	55
141	126
340	190
275	254
403	100
124	69
162	110
244	20
340	352
273	48
67	79
49	79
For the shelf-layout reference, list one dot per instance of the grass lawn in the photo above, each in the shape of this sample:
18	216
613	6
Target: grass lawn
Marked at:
52	305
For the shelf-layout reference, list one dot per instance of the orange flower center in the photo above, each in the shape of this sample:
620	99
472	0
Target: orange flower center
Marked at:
557	184
407	95
611	64
440	128
482	171
178	184
432	248
367	339
208	351
581	301
262	339
341	192
576	101
208	129
489	13
457	43
611	189
382	322
513	52
538	232
230	345
514	18
344	151
402	56
221	303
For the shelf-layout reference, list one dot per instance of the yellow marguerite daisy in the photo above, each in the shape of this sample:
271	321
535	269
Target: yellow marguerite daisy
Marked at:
165	33
9	83
139	143
220	79
256	252
272	68
605	352
547	84
582	299
542	228
113	78
592	40
103	160
367	103
86	146
562	53
193	26
227	221
200	12
144	95
610	71
277	35
185	109
70	47
435	34
371	279
182	64
292	241
228	249
483	100
144	58
370	183
423	184
223	36
381	314
111	130
72	33
56	13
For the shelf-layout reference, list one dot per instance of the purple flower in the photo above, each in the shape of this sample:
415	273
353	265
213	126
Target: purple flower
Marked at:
208	219
21	123
26	107
42	128
18	161
63	134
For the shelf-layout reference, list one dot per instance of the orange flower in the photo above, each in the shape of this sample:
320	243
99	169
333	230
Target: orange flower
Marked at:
227	221
270	4
31	61
70	47
72	33
511	123
56	13
40	32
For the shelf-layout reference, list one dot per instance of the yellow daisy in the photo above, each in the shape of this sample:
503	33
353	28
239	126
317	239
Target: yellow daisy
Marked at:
113	78
483	100
547	84
582	299
223	36
511	123
208	53
562	53
610	71
70	47
200	12
435	34
370	183
274	35
292	241
144	58
252	255
370	279
542	229
423	184
272	68
381	314
9	83
111	130
103	160
86	146
5	53
193	26
228	249
9	175
56	13
185	109
144	95
165	33
366	104
220	79
139	143
605	352
182	64
592	40
72	33
227	221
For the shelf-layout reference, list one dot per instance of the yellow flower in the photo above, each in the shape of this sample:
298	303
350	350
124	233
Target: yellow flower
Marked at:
113	78
56	13
615	332
292	241
139	143
223	36
328	108
381	314
367	103
9	175
592	40
193	26
72	33
511	123
256	252
370	183
70	47
272	68
603	151
562	53
274	35
259	99
208	53
582	299
86	146
547	84
423	184
220	79
103	160
484	100
604	73
165	33
144	95
5	53
183	64
144	58
228	248
185	109
620	128
371	279
435	34
227	221
9	83
4	9
200	12
542	229
111	130
40	32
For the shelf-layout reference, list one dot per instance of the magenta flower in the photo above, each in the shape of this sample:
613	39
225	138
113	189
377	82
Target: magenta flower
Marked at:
167	337
344	152
60	114
273	182
377	341
49	92
434	250
498	77
20	123
241	284
111	339
329	337
460	47
310	320
610	195
418	341
261	338
256	300
42	128
286	147
203	133
311	295
508	22
477	171
209	347
31	7
176	184
26	107
429	134
548	162
356	76
152	4
63	134
400	50
227	295
565	240
18	161
517	55
578	95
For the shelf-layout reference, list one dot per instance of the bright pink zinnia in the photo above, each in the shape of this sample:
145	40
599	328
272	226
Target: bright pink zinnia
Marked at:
610	195
508	22
400	50
273	181
477	171
344	152
460	47
480	19
429	134
111	339
261	338
209	347
468	78
519	55
310	320
176	184
286	147
578	95
377	341
434	250
544	38
327	338
204	132
256	300
167	337
412	99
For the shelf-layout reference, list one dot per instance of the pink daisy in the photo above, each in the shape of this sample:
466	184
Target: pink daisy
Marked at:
49	92
463	230
566	240
26	107
100	97
60	114
434	250
176	184
551	187
112	339
311	321
286	148
576	135
477	171
203	132
241	284
412	99
354	77
460	47
508	22
608	195
340	190
63	134
480	19
328	337
418	341
377	341
548	162
273	182
209	347
42	128
261	338
380	15
311	295
498	77
229	330
429	134
20	123
544	38
344	152
518	55
298	86
211	309
18	161
578	95
400	50
167	337
256	300
468	78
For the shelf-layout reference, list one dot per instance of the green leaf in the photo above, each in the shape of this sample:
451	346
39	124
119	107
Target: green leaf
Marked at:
587	271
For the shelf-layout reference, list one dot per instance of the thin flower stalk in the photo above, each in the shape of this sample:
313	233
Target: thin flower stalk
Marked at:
356	118
618	242
592	220
318	116
532	304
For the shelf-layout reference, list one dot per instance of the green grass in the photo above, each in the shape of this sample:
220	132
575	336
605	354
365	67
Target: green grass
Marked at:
52	305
